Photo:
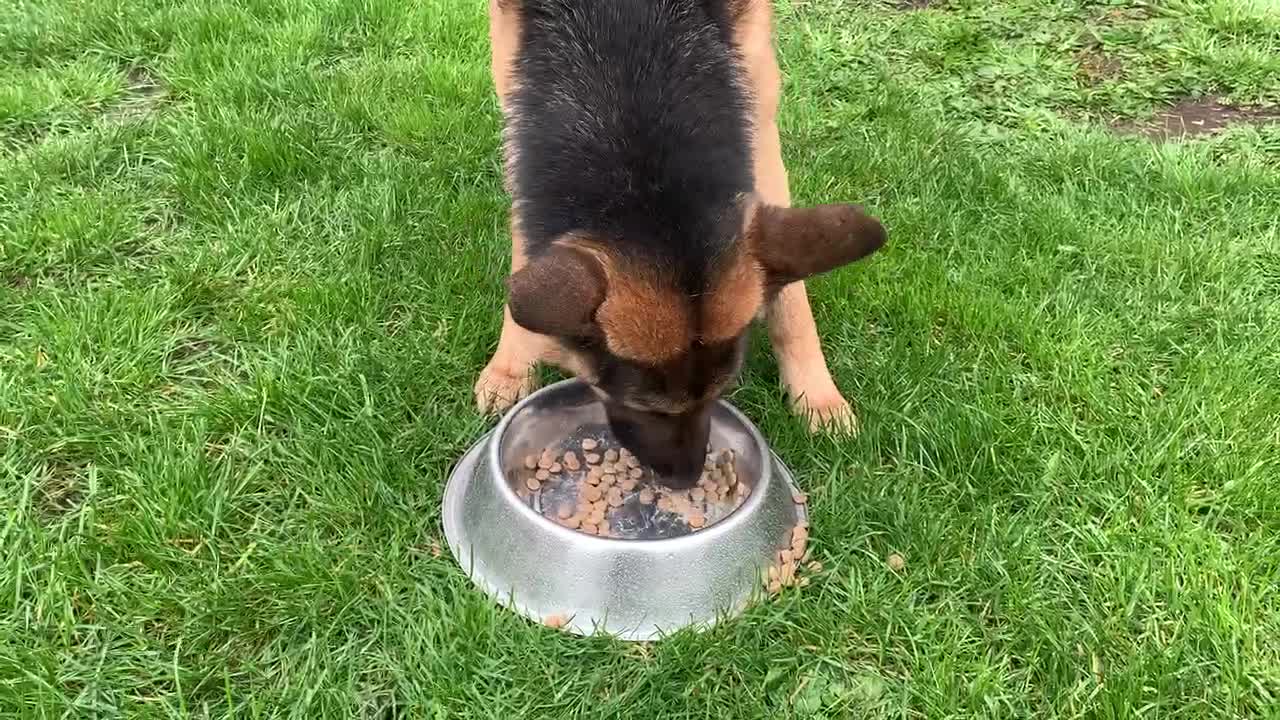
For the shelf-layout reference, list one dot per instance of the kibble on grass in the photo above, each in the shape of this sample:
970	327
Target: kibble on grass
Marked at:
785	571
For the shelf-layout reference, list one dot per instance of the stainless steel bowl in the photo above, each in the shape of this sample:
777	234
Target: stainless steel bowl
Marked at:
654	580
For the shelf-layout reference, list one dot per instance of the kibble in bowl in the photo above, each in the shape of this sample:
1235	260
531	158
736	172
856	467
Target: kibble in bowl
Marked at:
611	494
606	546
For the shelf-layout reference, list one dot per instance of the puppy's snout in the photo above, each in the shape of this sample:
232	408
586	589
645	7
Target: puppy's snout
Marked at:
674	446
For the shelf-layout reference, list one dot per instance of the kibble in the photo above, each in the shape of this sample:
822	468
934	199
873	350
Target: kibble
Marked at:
598	497
791	560
787	573
615	497
680	503
896	562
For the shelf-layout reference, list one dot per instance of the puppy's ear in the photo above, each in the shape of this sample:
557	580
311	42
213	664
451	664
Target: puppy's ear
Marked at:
795	243
558	292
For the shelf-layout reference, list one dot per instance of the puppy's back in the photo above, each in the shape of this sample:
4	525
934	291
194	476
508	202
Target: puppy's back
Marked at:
629	120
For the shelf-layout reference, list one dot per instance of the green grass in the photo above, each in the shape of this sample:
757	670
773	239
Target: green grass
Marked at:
250	263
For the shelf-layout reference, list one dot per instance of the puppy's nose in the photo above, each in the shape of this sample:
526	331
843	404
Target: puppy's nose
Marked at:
683	471
674	446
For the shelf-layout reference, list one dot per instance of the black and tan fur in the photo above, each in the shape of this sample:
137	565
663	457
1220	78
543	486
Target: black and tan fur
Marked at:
651	220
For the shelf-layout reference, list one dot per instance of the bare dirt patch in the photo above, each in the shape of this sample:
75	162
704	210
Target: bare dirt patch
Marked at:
909	5
1268	265
1192	118
141	97
197	363
1097	67
189	349
61	489
1117	15
17	282
142	94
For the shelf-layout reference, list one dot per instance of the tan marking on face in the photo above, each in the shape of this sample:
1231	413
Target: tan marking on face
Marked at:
642	320
734	298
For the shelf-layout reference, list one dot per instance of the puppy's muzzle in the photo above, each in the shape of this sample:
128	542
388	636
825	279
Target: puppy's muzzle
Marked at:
674	446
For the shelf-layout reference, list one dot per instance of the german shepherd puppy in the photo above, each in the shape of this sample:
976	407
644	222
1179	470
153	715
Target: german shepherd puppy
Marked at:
651	219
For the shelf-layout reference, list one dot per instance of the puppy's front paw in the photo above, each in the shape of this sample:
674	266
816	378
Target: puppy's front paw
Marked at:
498	388
826	411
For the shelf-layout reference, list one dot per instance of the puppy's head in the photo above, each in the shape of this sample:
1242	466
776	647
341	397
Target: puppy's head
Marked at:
659	356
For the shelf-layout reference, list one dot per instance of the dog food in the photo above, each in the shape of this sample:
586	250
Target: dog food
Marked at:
588	488
785	572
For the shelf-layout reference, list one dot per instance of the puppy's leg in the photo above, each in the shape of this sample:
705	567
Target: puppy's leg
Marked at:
802	365
509	376
504	33
792	331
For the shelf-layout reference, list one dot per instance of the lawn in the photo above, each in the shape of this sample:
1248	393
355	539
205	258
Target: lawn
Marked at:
250	264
